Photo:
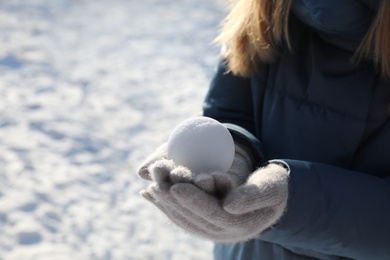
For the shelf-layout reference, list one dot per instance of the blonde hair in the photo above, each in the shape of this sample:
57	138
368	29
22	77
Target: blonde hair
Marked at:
255	30
376	44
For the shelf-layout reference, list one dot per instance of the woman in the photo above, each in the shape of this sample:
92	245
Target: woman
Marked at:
304	88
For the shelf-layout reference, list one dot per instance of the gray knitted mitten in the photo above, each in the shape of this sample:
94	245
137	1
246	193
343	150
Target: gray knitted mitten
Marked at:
159	169
242	214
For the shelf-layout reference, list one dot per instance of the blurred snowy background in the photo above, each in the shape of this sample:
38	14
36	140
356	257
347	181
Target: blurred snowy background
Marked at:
88	88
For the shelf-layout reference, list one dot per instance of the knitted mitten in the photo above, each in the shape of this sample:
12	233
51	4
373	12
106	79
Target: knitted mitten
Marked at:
246	210
162	170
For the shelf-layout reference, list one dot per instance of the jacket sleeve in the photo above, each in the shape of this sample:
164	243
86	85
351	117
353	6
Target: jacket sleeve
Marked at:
229	99
335	211
330	210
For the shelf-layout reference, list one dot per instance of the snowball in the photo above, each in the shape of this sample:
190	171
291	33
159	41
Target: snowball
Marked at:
202	144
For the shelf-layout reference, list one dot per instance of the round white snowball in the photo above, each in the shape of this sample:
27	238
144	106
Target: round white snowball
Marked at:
202	144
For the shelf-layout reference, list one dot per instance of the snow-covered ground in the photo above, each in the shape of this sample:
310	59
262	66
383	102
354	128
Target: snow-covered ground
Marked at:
88	88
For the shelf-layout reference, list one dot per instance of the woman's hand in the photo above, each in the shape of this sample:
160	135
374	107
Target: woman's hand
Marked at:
242	214
161	170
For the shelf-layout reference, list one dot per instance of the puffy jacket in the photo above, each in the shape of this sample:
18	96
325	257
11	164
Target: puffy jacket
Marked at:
329	119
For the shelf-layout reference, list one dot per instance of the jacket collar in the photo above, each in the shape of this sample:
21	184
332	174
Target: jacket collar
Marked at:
342	22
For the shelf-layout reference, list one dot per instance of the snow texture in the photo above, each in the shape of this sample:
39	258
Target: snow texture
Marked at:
202	144
88	89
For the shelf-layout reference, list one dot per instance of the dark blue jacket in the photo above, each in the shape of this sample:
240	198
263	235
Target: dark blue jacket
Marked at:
329	119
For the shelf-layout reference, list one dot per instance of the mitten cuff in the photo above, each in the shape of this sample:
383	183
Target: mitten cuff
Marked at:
246	140
278	162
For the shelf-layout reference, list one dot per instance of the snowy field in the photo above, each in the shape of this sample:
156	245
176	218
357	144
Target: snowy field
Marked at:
88	89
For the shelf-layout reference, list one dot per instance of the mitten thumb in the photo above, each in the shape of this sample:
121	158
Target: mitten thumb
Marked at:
266	187
242	165
159	154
